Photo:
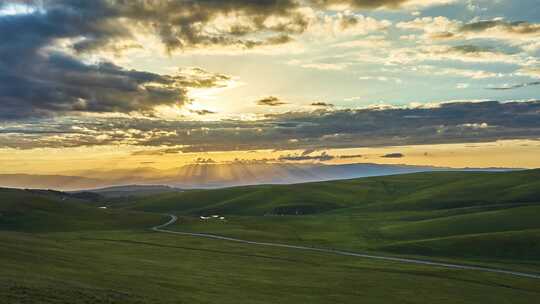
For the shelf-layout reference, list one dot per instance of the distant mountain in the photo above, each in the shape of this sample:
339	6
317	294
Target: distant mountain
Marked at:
239	174
130	190
144	180
224	175
57	182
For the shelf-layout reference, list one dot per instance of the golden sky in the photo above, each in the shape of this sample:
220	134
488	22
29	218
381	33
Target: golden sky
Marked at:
504	153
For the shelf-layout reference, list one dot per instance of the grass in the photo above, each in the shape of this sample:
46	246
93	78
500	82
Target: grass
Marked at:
440	215
146	267
520	218
63	250
423	191
522	245
33	211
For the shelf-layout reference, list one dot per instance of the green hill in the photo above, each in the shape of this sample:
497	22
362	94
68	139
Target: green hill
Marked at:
441	214
48	211
421	191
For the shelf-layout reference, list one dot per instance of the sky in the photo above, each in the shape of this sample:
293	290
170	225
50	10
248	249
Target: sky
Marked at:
155	83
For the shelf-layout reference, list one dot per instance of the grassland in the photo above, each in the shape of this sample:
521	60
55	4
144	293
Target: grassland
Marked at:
56	249
491	218
47	211
146	267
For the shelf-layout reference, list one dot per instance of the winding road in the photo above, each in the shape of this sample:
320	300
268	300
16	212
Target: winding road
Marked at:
173	219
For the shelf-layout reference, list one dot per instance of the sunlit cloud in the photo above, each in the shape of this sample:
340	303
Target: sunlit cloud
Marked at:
15	8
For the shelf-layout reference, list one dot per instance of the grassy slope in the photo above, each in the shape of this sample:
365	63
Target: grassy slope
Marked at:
425	191
146	267
32	211
443	214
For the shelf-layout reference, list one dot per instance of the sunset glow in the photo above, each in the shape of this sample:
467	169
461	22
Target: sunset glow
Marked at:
163	84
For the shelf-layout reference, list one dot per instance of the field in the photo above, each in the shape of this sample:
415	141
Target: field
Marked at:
57	249
485	218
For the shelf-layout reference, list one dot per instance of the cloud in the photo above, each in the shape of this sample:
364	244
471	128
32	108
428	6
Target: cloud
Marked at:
434	27
519	33
38	80
308	151
467	73
344	24
202	112
368	42
350	156
382	78
482	125
188	24
514	86
500	29
196	77
323	66
322	104
529	71
309	131
469	53
50	53
181	25
322	157
46	57
393	155
201	160
375	4
270	101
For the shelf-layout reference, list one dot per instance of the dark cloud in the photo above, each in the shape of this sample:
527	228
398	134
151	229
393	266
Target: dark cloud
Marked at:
515	86
270	101
182	24
363	4
308	152
322	157
309	131
157	152
518	27
201	160
393	155
202	112
36	80
470	49
199	78
322	104
179	24
350	156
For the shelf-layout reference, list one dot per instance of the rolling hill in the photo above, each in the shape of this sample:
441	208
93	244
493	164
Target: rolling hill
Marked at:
51	211
420	191
478	216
